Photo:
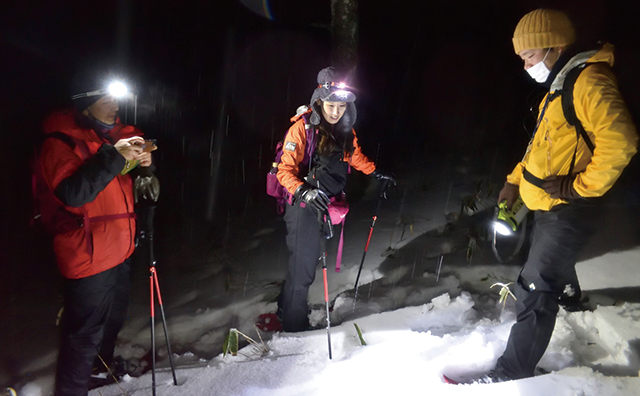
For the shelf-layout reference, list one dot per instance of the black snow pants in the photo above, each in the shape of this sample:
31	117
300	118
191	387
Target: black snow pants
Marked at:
95	309
303	242
548	276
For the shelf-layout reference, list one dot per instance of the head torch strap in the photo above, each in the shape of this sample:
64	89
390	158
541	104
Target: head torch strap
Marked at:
333	85
90	93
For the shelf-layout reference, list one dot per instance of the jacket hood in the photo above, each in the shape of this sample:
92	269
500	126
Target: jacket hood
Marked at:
74	124
66	122
604	54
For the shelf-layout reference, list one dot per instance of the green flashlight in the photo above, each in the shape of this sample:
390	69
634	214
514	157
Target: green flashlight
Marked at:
507	221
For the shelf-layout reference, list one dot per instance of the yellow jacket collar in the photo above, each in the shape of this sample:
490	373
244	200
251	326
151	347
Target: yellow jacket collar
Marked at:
604	54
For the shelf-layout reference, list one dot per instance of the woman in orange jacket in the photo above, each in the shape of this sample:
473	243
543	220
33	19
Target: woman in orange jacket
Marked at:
315	185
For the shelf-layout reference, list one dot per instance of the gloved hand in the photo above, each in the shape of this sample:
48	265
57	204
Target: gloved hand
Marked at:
560	187
313	197
510	193
384	176
386	179
146	187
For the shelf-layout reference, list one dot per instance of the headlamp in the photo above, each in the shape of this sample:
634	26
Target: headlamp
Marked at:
117	89
334	86
338	92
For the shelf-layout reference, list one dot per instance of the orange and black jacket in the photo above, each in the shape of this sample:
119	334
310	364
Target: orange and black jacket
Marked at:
91	188
328	171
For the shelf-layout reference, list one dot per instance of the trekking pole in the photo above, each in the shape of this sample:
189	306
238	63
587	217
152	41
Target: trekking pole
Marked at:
155	290
366	247
325	220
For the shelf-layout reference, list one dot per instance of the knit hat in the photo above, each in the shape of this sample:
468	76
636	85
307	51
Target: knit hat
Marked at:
543	28
331	89
82	83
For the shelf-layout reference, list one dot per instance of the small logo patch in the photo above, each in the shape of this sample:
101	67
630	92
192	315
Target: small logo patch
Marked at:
290	146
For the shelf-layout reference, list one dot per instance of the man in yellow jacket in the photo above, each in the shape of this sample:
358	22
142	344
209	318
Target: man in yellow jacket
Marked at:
561	177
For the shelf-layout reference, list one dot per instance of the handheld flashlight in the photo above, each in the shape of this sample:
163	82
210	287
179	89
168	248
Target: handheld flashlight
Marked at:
507	221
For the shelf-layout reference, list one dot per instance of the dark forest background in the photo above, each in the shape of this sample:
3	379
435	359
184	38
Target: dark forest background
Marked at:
217	83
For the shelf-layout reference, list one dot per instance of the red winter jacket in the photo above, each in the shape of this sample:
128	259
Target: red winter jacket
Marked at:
104	197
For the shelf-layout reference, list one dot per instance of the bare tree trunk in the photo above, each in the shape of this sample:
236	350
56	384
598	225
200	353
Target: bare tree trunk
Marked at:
344	27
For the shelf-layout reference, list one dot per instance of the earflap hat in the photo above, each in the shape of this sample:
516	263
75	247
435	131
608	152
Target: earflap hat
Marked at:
332	89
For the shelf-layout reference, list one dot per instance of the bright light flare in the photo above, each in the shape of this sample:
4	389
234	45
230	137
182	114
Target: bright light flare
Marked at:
502	229
117	89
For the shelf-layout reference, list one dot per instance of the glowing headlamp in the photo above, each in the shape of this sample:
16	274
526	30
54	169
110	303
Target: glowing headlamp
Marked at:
117	89
334	86
339	92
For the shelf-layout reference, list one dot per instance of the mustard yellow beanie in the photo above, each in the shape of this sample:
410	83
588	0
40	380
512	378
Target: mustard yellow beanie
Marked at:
543	28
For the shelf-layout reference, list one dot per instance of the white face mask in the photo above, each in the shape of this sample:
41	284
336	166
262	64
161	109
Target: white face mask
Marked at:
539	71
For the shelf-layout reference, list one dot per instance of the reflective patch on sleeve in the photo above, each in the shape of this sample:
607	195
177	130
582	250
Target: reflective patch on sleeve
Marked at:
290	146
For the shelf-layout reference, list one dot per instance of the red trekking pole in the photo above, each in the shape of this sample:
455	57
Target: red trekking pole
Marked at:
147	233
366	247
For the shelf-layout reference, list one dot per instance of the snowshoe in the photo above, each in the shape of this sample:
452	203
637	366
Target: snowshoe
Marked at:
269	323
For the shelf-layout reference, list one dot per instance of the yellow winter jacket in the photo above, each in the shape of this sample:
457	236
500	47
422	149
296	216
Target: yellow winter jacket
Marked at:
605	117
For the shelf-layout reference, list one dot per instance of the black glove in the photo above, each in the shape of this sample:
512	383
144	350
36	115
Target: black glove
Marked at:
510	193
387	180
313	197
560	187
388	177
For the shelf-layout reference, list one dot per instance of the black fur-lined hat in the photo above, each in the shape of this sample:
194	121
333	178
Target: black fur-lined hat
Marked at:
331	88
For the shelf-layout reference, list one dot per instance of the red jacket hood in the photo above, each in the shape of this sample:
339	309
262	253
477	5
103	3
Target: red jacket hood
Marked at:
65	121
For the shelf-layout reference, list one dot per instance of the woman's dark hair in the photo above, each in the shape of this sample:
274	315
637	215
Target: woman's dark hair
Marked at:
332	138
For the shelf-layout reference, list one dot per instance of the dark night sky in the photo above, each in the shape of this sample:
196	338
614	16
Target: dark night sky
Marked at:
433	76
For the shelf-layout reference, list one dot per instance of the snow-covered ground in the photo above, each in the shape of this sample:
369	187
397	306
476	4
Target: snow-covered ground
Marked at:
418	322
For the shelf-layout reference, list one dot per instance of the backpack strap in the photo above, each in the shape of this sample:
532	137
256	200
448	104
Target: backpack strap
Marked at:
310	147
568	108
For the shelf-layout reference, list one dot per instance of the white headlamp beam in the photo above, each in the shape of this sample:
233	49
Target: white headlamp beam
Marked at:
116	89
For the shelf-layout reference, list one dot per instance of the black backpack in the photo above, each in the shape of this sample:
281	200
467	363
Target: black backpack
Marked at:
569	110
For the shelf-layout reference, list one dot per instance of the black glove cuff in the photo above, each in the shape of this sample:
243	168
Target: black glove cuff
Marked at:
301	191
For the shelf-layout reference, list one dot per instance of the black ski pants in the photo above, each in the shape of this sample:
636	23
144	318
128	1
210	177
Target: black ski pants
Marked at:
303	242
95	309
548	276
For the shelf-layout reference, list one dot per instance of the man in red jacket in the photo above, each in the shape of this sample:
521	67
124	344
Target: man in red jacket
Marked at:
85	160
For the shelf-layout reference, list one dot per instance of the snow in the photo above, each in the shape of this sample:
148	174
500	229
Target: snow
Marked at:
418	323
